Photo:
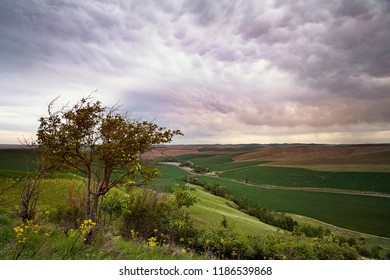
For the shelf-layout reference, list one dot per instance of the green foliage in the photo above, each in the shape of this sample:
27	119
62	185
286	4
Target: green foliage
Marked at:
148	210
213	188
225	243
71	213
314	232
97	142
195	168
114	205
304	248
183	196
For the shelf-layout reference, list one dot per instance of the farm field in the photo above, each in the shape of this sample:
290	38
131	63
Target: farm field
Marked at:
304	178
14	159
364	207
359	213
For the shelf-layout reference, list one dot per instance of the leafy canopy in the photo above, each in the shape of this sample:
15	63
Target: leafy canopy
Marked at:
99	142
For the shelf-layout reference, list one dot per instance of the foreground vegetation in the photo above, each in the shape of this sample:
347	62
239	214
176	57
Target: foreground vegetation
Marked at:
144	224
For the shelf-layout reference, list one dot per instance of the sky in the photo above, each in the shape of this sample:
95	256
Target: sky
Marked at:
307	71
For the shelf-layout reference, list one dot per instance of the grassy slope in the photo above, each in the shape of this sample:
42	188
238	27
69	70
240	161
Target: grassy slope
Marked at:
210	210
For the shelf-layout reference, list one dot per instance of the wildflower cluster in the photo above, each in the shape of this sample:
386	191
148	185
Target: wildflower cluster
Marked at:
71	232
134	234
86	227
25	230
188	246
153	241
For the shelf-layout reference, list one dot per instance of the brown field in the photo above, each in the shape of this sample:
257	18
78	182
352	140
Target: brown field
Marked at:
176	150
375	158
363	158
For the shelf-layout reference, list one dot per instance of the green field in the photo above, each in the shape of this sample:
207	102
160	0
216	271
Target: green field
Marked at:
367	214
16	159
170	175
360	213
304	178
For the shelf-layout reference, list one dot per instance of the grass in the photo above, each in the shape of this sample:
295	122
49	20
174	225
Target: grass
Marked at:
53	191
360	213
15	159
51	243
170	175
210	211
338	167
299	177
223	163
290	176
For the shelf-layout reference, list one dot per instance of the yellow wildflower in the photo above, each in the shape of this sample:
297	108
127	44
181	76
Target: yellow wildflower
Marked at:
153	242
86	227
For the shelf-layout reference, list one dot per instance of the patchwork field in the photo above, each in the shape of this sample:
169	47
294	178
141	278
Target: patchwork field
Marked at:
357	200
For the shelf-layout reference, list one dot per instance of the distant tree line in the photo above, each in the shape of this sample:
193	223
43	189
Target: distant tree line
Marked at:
195	168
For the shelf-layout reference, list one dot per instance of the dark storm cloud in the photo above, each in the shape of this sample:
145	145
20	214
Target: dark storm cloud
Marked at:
217	68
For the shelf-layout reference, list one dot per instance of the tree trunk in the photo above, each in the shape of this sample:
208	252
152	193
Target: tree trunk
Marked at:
94	207
88	195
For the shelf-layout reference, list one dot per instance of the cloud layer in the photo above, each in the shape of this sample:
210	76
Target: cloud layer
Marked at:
221	71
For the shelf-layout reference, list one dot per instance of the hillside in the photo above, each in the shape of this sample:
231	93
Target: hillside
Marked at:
321	154
211	209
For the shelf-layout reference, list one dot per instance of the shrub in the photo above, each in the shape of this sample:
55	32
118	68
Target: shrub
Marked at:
301	248
310	231
225	243
113	206
70	214
148	211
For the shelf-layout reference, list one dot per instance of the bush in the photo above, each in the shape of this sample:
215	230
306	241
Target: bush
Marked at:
149	212
113	206
225	243
70	214
310	231
301	248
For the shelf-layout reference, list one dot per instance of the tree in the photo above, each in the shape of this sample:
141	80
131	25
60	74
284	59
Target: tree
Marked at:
101	143
32	181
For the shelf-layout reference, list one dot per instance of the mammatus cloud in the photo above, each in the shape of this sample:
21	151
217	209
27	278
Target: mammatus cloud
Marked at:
221	71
